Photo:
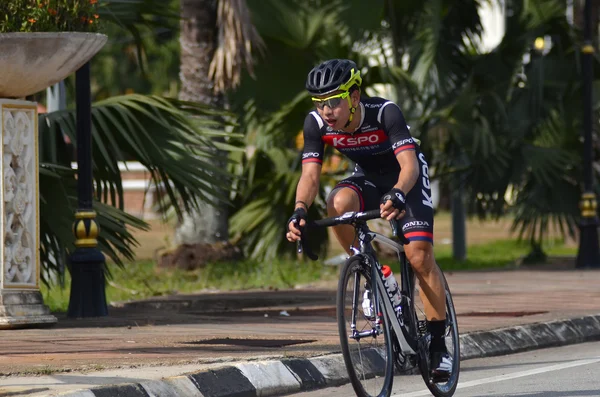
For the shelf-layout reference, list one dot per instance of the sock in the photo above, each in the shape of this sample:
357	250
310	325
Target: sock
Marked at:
437	329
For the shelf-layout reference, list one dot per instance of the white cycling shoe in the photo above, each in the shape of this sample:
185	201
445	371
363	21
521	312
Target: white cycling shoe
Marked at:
441	367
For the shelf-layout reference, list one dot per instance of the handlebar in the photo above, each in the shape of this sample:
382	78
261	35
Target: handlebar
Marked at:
347	218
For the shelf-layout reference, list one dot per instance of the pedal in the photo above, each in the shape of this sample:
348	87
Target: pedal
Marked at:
439	377
422	326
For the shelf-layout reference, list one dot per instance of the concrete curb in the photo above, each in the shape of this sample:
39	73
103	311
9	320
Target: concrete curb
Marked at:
276	378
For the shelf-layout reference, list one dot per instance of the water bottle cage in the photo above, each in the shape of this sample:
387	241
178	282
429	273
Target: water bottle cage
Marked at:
399	315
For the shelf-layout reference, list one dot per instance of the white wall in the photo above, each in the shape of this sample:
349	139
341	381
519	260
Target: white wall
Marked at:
492	16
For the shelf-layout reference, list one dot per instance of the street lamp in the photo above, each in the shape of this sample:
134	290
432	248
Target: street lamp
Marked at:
88	298
589	251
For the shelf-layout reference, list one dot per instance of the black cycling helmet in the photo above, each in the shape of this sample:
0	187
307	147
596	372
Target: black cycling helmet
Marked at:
333	75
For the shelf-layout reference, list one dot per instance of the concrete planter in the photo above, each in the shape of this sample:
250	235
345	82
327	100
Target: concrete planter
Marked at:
29	63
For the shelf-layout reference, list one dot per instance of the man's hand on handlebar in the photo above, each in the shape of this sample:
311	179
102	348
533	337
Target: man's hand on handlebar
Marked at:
393	205
295	223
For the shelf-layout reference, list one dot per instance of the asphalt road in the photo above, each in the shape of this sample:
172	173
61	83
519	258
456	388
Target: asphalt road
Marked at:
565	371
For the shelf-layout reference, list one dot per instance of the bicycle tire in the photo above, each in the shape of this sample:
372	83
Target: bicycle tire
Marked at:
448	388
355	265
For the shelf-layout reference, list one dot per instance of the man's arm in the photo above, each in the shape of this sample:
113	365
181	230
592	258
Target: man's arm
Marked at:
307	189
308	185
404	148
409	170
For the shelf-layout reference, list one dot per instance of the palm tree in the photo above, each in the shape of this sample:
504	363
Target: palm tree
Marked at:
216	39
483	118
156	131
308	32
298	34
504	128
511	129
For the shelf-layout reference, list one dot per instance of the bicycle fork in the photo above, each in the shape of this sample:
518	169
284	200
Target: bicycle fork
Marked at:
373	332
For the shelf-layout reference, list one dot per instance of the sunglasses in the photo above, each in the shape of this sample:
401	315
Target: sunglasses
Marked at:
332	101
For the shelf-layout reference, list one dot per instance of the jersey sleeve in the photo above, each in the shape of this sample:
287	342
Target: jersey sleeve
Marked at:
313	145
396	128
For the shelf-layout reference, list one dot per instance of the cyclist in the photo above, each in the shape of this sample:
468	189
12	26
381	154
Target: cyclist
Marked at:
390	174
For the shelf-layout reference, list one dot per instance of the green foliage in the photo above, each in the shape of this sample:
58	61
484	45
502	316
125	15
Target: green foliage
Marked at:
172	139
116	68
58	202
139	280
512	130
505	253
272	107
142	52
159	133
49	16
491	124
500	126
138	17
148	43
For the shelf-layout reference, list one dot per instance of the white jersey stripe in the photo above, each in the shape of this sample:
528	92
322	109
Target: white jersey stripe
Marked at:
318	118
381	111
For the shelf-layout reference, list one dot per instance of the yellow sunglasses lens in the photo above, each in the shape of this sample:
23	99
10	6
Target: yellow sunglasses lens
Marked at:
332	101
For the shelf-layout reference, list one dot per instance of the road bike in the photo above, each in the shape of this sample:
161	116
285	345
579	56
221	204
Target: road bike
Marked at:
377	337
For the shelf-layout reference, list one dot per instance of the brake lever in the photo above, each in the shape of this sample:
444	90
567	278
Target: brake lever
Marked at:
394	226
302	246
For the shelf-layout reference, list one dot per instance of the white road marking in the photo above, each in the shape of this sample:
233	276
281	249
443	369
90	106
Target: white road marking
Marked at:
514	375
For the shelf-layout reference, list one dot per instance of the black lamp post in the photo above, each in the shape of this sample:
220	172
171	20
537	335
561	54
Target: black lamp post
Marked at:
88	298
589	251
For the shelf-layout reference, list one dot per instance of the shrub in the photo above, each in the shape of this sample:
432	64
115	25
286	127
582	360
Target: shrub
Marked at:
48	16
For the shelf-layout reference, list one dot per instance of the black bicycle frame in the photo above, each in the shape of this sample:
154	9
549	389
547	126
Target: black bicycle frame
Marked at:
407	342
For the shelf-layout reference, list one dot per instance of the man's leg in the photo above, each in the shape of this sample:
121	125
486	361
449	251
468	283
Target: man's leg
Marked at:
341	200
432	289
433	295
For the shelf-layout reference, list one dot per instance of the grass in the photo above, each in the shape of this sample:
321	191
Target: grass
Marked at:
489	245
143	279
497	254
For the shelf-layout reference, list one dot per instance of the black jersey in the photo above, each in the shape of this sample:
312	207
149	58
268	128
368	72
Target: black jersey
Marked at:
381	135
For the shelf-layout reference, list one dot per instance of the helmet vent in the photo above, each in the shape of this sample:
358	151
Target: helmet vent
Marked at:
327	75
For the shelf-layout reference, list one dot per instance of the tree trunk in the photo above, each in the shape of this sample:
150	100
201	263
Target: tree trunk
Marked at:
197	40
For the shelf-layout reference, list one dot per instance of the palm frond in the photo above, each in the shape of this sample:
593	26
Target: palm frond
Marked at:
158	133
133	15
58	202
443	35
260	222
297	24
237	37
540	12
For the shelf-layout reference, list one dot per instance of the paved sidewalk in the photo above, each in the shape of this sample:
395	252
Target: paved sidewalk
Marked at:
166	337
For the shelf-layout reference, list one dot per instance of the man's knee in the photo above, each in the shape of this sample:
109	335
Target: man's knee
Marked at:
420	256
342	200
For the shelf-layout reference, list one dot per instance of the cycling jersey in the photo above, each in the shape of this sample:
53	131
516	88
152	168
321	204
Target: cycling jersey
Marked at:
381	135
373	147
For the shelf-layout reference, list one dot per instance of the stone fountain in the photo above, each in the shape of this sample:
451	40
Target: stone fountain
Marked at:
29	63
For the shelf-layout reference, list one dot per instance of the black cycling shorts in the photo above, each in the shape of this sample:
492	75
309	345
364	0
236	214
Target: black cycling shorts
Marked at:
417	223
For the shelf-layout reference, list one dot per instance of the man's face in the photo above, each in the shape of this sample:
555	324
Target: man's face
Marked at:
337	116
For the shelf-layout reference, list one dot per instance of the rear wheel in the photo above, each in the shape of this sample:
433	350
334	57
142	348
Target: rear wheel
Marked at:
369	358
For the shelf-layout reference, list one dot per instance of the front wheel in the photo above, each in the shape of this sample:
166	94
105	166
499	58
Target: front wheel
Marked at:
448	388
369	359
